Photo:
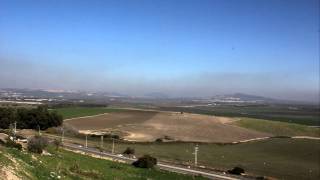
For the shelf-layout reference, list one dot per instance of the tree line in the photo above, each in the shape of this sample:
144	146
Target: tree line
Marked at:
29	118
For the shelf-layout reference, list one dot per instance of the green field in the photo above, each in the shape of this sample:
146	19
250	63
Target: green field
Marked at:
69	165
302	114
283	158
72	112
278	128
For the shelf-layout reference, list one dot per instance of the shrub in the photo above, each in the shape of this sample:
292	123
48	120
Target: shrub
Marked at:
36	144
168	138
13	144
146	161
75	168
57	143
236	170
129	151
159	140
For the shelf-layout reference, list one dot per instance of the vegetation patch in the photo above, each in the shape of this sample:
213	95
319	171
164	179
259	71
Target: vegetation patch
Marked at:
32	118
73	112
69	165
37	144
145	161
278	128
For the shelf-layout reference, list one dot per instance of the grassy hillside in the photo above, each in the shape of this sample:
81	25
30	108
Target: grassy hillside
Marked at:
69	165
278	128
72	112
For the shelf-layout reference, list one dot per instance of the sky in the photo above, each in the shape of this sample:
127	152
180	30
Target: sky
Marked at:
182	48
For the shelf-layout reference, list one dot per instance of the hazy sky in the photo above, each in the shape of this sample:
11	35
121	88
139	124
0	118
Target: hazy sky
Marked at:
177	47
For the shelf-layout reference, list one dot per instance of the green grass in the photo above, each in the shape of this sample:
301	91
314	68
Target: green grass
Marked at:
306	115
72	112
283	158
278	128
71	165
4	161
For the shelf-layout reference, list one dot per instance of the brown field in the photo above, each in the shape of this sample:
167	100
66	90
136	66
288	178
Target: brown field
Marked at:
138	125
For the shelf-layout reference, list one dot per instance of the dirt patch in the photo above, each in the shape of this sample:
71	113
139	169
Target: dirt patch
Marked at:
7	173
150	125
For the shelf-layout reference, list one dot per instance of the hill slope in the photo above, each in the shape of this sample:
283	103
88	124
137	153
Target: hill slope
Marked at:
63	164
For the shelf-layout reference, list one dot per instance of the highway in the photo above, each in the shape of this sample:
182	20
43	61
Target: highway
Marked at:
162	166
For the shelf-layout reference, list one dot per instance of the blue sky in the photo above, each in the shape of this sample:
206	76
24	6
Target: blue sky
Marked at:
178	47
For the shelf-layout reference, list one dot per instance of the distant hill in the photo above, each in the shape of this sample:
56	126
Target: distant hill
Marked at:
241	97
157	95
247	97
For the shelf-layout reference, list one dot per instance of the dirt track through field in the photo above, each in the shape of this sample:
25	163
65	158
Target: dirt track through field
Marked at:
149	125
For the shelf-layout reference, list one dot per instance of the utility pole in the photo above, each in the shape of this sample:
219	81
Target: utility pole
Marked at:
101	141
196	149
39	130
112	145
15	130
86	141
62	134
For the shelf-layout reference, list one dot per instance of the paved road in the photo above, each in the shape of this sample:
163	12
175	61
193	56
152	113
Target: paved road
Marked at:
160	165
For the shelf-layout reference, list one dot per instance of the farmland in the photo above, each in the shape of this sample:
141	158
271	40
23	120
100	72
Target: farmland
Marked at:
141	125
278	128
299	114
72	112
283	158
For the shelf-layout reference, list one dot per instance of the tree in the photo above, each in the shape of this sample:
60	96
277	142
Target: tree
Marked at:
57	143
145	161
29	118
236	170
37	143
129	151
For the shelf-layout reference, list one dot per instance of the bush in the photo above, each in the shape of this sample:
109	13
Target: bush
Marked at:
146	161
36	144
75	168
13	144
57	143
129	151
236	170
159	140
168	138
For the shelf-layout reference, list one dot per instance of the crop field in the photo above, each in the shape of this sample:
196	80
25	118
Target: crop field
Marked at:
278	128
282	158
140	125
63	164
72	112
299	114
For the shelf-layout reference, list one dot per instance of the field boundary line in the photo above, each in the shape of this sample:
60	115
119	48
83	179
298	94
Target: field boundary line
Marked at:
305	137
85	117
